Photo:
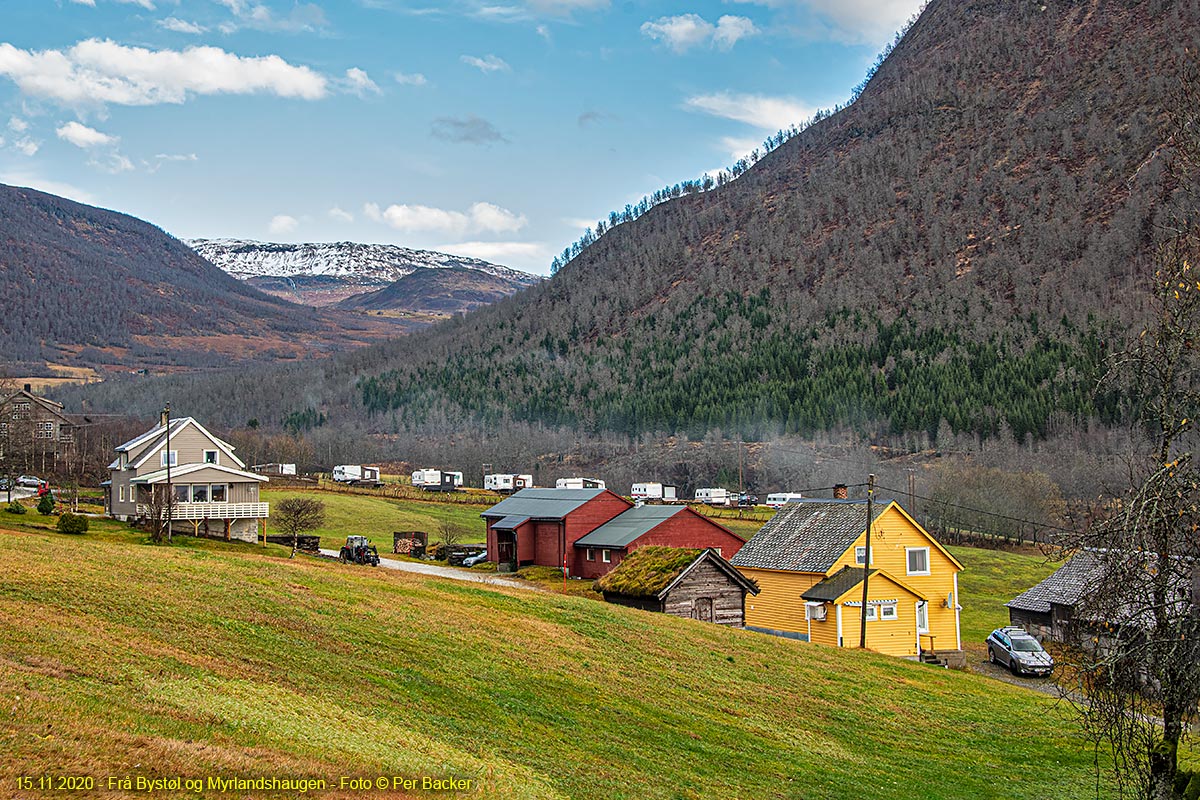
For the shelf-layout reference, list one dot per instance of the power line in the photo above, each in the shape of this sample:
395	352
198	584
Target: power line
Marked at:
948	504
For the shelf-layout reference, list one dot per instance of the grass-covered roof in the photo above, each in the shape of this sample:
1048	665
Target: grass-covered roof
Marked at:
647	571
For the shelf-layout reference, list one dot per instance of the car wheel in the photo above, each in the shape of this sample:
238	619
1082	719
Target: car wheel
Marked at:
1016	670
991	656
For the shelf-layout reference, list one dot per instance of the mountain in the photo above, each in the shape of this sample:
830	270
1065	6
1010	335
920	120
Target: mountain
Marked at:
83	285
957	250
320	274
434	292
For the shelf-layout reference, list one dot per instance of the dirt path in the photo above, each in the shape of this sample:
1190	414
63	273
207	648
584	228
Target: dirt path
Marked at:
453	573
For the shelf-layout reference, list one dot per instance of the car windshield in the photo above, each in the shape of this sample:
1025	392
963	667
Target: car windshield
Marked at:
1026	645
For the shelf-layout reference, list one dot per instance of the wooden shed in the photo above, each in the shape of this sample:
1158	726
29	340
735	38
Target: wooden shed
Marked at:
698	584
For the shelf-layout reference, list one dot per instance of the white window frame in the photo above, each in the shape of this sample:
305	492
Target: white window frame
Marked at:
591	554
212	486
888	612
121	492
606	556
207	492
908	551
860	555
216	456
922	616
163	455
872	614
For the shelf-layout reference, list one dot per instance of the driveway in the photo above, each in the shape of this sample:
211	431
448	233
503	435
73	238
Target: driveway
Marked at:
452	573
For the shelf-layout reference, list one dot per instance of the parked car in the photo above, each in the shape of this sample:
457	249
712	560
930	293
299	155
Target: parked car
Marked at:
478	558
3	484
1014	648
30	481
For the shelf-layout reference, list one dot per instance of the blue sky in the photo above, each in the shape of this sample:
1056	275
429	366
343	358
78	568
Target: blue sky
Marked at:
491	128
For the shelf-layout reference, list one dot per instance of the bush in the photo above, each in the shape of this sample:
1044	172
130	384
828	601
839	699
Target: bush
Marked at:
45	506
73	524
15	508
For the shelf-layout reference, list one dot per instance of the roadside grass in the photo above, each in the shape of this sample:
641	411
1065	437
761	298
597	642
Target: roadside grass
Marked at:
377	517
990	579
216	658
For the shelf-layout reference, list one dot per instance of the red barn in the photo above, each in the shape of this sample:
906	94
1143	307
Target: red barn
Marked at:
591	530
602	549
541	526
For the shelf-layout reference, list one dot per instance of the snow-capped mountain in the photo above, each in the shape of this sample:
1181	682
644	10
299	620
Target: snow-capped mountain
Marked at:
325	273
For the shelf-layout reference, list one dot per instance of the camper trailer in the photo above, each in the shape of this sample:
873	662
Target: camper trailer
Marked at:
714	497
436	480
781	499
653	493
357	475
505	482
274	469
579	483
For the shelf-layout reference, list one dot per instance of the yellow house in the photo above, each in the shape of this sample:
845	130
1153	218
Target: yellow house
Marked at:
808	563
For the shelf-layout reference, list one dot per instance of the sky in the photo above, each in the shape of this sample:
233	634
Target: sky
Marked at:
498	129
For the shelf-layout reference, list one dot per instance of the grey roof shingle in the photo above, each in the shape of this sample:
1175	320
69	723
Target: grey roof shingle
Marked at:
1064	587
836	584
628	526
510	523
542	503
808	536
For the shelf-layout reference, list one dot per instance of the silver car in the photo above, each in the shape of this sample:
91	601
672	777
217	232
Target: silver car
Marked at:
1014	648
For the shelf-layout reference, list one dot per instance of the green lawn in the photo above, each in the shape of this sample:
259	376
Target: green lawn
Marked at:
990	578
377	517
118	657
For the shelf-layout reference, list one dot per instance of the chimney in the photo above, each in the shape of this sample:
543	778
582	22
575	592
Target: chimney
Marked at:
28	388
162	420
840	492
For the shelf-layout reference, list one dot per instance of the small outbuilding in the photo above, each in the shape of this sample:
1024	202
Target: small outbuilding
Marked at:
698	584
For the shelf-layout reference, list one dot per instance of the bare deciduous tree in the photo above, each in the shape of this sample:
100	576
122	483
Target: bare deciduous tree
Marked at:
296	514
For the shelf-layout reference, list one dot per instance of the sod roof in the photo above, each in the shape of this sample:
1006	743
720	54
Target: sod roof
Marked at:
653	571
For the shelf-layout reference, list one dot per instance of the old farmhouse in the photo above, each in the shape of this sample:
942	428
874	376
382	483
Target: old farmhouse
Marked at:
808	562
589	531
697	584
211	493
36	435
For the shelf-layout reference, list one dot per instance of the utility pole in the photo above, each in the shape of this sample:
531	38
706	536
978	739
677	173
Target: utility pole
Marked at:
862	639
170	491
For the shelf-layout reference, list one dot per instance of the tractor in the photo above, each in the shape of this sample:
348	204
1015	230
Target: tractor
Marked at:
357	550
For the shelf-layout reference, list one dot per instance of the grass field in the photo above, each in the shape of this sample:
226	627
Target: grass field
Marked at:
377	517
122	658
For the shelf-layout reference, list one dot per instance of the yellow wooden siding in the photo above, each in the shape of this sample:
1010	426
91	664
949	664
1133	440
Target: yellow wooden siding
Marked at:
826	632
893	534
778	605
893	637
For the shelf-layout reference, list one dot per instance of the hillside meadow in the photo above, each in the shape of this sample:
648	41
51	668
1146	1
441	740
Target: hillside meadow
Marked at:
118	657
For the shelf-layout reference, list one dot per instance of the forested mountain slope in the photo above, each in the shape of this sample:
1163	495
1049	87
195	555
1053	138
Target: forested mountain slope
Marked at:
959	247
86	285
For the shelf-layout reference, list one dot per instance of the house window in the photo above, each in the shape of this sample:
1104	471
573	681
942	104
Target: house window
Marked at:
162	458
218	493
121	493
210	457
183	492
200	493
887	611
922	617
591	554
45	430
606	556
918	560
860	555
871	613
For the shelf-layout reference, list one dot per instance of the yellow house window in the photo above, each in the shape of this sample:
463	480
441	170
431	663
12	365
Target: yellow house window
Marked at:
888	612
918	560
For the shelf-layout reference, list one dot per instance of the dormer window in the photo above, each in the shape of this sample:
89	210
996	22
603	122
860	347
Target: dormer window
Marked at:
210	457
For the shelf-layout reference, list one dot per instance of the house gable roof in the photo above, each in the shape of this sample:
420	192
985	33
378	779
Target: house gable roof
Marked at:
545	504
808	536
629	526
47	405
183	471
159	438
1064	586
845	580
655	571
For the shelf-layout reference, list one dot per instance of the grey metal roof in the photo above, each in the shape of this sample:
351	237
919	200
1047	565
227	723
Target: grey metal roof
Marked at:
837	584
628	526
808	536
1064	587
510	523
542	503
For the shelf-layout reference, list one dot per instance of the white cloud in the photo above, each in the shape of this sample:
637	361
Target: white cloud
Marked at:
257	16
761	111
685	31
32	181
96	72
181	26
112	163
857	21
177	157
282	224
488	63
738	146
91	3
17	125
340	215
479	218
27	146
83	136
543	31
410	78
359	83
